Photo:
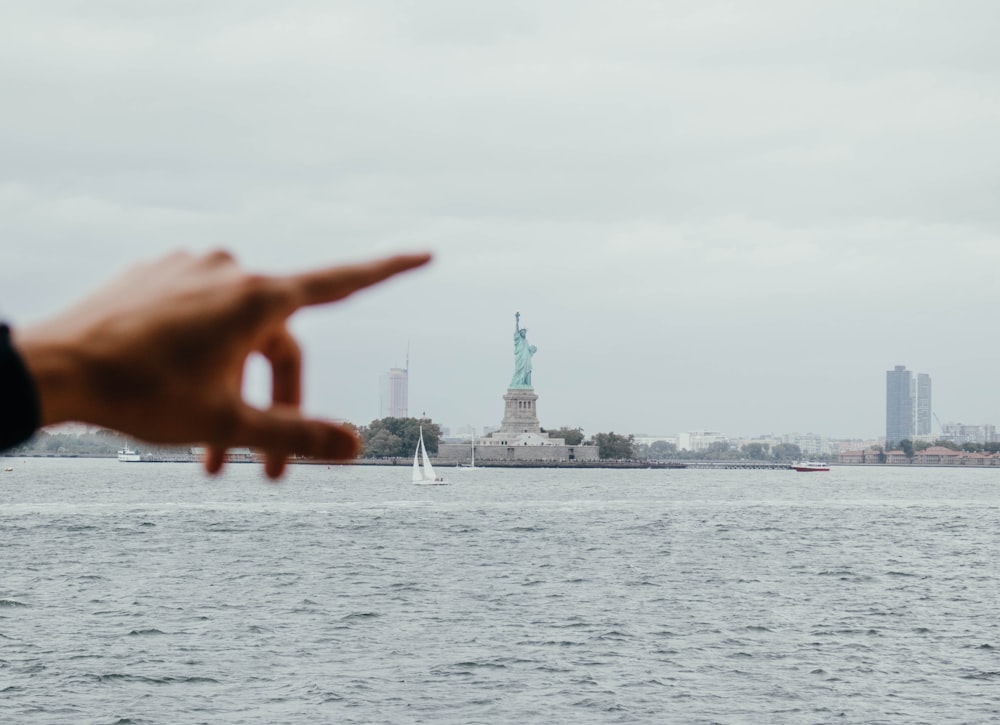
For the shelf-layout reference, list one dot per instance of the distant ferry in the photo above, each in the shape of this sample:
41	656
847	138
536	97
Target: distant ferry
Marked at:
810	466
127	455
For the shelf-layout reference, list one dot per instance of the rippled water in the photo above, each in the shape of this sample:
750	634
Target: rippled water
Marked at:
147	593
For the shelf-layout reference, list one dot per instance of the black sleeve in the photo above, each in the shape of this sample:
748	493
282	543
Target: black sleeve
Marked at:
19	414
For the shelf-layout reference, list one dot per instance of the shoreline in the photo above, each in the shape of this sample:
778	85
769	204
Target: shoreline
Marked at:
616	464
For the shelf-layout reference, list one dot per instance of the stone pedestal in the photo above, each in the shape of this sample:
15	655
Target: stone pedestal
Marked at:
519	440
520	414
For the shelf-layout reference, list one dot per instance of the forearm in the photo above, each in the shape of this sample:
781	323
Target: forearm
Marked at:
55	369
20	416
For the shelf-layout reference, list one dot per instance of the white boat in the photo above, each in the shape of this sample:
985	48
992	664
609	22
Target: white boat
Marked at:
127	455
423	471
807	466
472	465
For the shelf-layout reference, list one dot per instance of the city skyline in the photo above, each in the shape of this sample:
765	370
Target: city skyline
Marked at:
909	411
713	215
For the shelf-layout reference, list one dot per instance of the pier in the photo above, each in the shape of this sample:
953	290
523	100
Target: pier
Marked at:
741	465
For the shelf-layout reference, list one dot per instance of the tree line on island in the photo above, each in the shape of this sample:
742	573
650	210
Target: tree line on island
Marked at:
397	438
101	443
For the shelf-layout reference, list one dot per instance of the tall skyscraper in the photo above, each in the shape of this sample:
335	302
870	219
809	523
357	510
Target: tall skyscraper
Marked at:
923	409
907	405
898	406
395	396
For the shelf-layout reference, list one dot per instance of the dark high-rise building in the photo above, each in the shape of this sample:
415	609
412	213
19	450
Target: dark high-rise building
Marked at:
923	408
899	396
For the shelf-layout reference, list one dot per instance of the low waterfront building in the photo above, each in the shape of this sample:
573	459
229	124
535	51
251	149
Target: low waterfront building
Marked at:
852	458
896	457
933	456
936	455
700	440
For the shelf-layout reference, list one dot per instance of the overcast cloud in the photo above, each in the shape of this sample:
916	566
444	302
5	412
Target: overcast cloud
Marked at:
721	215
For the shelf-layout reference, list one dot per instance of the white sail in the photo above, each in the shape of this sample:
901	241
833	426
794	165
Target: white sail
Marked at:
429	474
426	473
418	475
471	466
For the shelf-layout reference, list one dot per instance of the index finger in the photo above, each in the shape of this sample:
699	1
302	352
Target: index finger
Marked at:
320	286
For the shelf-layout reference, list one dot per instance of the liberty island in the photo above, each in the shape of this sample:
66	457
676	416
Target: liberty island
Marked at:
520	438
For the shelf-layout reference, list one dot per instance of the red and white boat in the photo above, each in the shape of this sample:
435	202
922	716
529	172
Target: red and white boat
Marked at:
810	466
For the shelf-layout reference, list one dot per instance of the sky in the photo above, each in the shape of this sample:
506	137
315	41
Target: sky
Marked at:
710	215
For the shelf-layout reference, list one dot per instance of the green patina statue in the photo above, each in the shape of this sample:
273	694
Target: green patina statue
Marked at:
522	356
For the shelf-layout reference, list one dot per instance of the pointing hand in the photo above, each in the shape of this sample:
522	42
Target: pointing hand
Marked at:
159	353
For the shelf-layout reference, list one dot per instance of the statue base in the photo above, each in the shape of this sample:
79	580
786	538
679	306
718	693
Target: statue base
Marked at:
520	413
519	440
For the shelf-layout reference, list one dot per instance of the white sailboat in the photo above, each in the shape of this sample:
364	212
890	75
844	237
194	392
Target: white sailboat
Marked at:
472	465
423	471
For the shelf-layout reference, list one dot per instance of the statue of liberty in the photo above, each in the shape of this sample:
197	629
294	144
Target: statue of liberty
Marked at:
522	356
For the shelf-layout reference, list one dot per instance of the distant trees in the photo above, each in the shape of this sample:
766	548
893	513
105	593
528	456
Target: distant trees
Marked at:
720	450
991	447
757	451
786	452
660	450
613	445
726	451
969	447
99	443
945	444
573	436
397	437
911	448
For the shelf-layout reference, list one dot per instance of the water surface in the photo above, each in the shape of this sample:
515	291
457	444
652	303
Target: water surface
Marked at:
148	593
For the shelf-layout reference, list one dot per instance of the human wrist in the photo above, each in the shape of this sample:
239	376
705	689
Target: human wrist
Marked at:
57	368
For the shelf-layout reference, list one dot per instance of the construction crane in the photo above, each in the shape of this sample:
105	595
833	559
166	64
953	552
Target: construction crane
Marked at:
940	424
